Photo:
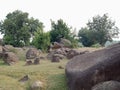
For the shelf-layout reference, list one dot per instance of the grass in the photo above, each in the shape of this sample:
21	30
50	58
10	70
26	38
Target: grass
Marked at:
52	77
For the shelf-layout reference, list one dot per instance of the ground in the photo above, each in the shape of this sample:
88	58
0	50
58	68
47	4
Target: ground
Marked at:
52	77
47	72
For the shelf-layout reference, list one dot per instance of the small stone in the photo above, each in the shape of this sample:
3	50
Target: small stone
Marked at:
37	85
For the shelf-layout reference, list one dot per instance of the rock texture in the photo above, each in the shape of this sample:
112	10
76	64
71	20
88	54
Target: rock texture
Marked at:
10	58
108	85
85	71
32	53
37	85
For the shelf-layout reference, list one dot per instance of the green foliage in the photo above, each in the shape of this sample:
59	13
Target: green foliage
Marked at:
59	30
18	28
41	40
99	30
97	45
86	37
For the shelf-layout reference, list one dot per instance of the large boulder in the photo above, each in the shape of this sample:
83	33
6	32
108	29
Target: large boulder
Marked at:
10	58
108	85
84	71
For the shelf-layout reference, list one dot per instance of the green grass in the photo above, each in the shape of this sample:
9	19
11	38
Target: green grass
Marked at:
52	77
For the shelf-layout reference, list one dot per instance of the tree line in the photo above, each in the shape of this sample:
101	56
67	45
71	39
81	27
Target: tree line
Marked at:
19	30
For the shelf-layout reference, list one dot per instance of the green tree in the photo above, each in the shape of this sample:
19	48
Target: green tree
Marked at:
41	40
34	24
104	27
59	30
86	37
99	30
18	28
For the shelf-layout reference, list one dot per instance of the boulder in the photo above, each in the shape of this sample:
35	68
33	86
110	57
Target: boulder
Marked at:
55	59
10	58
72	53
29	62
108	85
32	53
24	78
65	42
84	71
61	53
37	85
37	61
8	48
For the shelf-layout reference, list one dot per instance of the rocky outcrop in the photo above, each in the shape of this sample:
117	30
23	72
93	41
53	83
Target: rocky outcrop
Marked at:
85	71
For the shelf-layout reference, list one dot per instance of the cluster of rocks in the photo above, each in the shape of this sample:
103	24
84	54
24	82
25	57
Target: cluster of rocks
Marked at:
8	56
98	70
58	54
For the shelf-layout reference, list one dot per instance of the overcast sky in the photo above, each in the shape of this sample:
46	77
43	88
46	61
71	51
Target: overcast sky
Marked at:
75	13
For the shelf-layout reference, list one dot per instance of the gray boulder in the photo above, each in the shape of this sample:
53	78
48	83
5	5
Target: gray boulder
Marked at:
85	71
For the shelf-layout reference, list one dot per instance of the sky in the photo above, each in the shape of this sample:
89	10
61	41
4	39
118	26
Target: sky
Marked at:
75	13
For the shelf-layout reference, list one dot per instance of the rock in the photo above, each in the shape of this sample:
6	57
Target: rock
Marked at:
72	53
59	55
24	79
86	70
60	67
8	48
57	45
67	43
10	58
42	57
55	59
29	62
108	85
61	52
37	61
37	85
32	53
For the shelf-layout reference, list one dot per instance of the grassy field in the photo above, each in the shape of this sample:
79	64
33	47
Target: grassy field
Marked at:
52	77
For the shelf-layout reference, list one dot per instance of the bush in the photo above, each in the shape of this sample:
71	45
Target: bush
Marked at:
97	45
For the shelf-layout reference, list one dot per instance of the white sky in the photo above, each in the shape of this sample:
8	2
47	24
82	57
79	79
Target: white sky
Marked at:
75	13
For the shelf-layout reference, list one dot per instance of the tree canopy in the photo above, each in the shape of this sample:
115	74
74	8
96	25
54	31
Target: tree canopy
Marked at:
99	30
18	28
59	30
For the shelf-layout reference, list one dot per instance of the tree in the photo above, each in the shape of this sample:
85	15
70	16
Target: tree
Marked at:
18	28
41	40
59	30
104	27
34	24
99	30
86	37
